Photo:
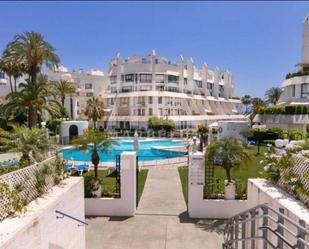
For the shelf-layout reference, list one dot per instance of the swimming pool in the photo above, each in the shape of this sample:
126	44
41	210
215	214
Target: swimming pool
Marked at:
149	150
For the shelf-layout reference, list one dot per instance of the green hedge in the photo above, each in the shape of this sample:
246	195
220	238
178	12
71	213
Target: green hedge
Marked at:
235	97
299	73
286	110
266	135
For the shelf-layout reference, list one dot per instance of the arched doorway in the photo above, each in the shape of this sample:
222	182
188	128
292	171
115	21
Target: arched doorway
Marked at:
73	132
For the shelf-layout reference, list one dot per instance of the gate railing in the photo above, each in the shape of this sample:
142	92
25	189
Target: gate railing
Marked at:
267	226
118	176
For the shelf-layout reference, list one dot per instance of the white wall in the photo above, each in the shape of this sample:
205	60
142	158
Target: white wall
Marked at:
261	191
126	204
198	207
39	228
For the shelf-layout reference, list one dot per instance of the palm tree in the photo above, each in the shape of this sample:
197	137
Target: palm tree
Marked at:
99	141
62	88
246	101
30	142
272	95
33	99
10	66
32	51
230	151
94	110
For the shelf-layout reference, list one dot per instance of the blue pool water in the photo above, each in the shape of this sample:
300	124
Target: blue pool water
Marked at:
148	150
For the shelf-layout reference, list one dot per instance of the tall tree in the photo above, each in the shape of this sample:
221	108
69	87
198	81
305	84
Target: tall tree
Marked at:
62	88
94	110
246	101
272	95
32	51
13	68
33	99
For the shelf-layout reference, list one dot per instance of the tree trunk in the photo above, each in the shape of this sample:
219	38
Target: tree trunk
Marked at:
95	160
11	85
95	124
62	101
32	117
228	171
15	85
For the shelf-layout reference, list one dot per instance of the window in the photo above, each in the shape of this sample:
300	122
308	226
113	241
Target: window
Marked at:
173	79
210	85
172	89
124	101
128	77
185	81
145	78
293	90
1	75
304	92
160	78
150	100
113	89
221	88
89	94
150	113
113	79
126	89
88	86
160	100
198	83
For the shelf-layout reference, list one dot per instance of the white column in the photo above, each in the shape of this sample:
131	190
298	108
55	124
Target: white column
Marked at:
128	181
190	71
153	69
204	79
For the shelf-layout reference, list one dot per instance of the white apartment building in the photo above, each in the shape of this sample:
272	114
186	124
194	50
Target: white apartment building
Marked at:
140	87
88	84
295	92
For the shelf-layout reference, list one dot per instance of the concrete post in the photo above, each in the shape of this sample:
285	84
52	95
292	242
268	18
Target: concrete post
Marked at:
128	181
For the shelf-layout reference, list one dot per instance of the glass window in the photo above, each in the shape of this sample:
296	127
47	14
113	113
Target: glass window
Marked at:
113	79
198	83
293	90
88	86
304	93
128	77
185	81
126	89
113	89
150	112
173	79
160	100
145	78
150	99
160	78
210	85
89	94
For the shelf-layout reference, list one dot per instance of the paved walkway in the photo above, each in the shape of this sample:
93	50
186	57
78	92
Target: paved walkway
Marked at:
161	221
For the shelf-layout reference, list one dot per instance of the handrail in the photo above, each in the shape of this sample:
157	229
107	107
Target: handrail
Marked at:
236	229
71	217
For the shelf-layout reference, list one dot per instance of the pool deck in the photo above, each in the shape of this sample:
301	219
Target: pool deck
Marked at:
161	221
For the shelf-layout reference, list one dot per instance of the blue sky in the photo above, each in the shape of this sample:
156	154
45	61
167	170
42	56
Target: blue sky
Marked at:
258	41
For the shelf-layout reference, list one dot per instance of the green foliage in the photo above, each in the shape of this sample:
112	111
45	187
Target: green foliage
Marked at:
58	170
25	140
159	124
230	151
202	129
299	73
285	110
17	203
41	176
235	97
272	95
54	125
94	110
294	134
266	134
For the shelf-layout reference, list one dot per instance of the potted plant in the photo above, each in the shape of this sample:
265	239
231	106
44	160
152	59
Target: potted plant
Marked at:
95	141
227	153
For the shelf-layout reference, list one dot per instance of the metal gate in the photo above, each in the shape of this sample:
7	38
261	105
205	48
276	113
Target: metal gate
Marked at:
118	181
137	174
209	180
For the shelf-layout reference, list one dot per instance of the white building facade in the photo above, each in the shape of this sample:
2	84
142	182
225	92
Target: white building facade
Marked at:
295	92
140	87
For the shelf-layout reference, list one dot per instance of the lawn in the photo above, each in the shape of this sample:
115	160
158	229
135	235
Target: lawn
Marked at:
240	173
108	182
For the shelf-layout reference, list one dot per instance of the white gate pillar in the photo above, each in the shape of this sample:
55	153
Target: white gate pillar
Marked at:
128	180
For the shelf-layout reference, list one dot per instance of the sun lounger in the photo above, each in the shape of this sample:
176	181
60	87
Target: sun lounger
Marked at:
81	168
